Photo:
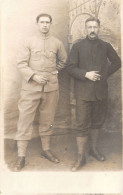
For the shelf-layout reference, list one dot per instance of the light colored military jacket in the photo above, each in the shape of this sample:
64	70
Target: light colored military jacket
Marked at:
41	55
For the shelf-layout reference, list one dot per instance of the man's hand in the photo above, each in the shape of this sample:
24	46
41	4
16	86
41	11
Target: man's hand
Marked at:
93	75
40	79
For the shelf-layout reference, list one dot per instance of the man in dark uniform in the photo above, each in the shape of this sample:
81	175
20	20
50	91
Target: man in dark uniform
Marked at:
89	64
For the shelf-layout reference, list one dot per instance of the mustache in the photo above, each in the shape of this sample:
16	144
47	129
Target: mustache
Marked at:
92	33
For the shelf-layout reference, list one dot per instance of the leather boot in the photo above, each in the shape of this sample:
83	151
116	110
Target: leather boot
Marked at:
81	147
93	146
50	156
97	155
46	152
22	146
20	163
79	163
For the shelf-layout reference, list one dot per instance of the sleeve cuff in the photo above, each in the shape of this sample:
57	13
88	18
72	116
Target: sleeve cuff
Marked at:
29	76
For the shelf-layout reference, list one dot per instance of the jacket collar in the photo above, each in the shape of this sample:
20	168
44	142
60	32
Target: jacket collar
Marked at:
44	36
92	41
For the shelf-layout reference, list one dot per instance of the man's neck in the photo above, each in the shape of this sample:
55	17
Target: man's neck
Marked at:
44	35
92	39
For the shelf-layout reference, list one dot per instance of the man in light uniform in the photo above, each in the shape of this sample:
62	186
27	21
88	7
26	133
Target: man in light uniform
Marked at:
39	61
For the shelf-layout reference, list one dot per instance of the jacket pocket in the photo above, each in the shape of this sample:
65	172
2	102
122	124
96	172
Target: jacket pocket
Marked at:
35	55
53	79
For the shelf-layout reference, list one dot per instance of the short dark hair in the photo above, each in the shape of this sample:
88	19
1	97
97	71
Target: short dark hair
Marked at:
43	15
93	19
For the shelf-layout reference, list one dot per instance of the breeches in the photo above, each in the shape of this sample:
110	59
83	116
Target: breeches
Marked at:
89	115
28	104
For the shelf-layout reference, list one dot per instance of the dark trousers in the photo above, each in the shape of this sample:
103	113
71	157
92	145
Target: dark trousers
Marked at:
89	115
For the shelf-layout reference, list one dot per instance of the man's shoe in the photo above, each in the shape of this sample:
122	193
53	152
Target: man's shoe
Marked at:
79	163
48	155
19	164
96	154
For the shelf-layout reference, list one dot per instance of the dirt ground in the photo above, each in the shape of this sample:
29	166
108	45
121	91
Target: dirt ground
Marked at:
64	147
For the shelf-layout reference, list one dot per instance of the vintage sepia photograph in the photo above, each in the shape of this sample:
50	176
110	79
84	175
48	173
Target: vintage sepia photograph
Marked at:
61	84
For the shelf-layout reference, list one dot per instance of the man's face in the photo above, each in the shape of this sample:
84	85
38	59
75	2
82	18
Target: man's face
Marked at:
44	24
92	29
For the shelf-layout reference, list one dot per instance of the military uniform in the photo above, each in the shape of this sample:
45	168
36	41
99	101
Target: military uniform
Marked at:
40	55
91	97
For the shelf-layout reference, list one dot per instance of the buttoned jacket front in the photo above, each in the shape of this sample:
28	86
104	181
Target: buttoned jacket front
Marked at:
41	55
92	55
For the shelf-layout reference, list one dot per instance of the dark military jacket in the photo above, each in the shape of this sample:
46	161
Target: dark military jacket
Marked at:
92	55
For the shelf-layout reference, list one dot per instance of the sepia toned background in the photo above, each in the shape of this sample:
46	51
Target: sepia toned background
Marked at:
18	22
68	25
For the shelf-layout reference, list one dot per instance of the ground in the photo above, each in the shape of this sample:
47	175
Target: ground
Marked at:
64	147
